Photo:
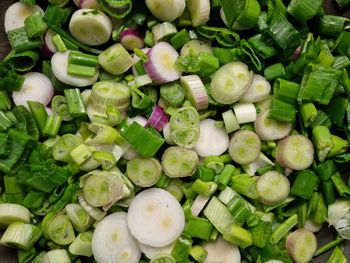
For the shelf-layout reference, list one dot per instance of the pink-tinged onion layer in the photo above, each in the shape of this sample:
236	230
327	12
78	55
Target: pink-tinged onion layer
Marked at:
49	47
160	66
130	38
158	118
91	4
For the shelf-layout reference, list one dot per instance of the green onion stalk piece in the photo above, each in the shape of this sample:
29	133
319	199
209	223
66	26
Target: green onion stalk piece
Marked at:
103	189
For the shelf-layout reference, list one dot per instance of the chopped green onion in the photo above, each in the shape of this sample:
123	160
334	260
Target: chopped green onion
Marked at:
75	102
322	141
182	247
198	253
282	111
274	71
283	33
180	39
136	135
342	189
308	113
328	246
218	214
34	199
21	235
35	25
58	228
204	188
52	125
20	41
303	10
304	184
144	172
55	15
199	228
238	236
282	230
81	245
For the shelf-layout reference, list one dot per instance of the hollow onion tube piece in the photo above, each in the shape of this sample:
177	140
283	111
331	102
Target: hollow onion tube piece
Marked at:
220	250
212	139
20	235
115	59
17	13
166	10
295	152
269	129
195	47
272	187
230	82
199	10
258	90
184	127
244	147
59	64
36	87
179	162
144	172
90	27
112	241
155	217
58	228
13	212
151	252
301	245
161	63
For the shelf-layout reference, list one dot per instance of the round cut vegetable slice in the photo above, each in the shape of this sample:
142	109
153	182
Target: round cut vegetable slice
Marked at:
269	129
90	27
200	11
272	187
230	82
59	63
167	10
195	47
244	147
221	251
17	13
179	162
258	90
212	139
301	245
155	217
144	172
36	87
160	66
184	127
112	241
108	92
295	152
13	212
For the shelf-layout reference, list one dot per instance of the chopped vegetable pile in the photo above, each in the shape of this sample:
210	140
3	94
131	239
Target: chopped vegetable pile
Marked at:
175	131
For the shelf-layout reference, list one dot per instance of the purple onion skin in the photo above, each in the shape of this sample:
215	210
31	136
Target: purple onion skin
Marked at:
158	118
137	39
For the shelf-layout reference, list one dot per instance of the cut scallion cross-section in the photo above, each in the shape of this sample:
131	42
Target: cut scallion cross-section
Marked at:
179	162
230	82
144	172
244	147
